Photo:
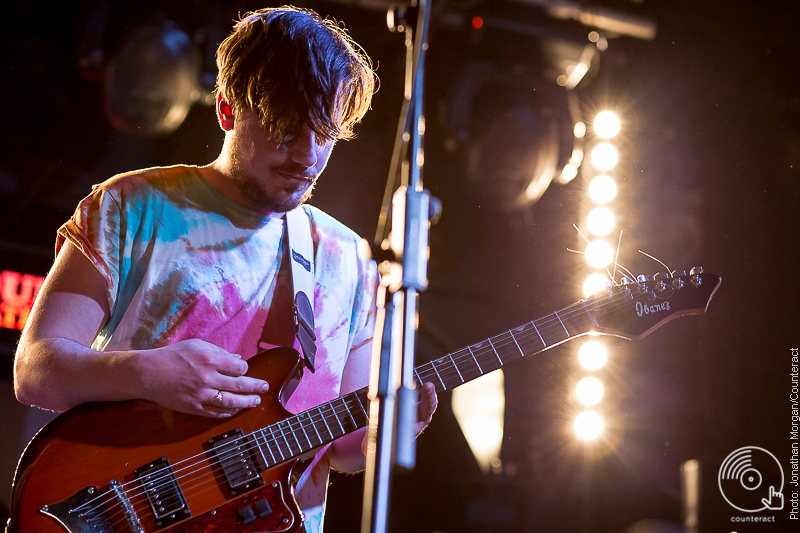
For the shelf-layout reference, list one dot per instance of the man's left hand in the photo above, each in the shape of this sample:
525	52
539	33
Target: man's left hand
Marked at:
425	406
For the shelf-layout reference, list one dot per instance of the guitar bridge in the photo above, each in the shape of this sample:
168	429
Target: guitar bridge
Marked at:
80	513
238	457
162	491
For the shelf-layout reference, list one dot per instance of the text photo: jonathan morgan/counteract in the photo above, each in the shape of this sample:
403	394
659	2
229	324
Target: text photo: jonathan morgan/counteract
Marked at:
794	438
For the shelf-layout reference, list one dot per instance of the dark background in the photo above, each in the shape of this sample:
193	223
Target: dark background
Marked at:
710	152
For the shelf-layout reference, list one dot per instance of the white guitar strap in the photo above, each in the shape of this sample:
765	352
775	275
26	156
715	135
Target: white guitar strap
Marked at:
301	259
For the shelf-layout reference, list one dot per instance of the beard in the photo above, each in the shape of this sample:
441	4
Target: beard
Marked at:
288	197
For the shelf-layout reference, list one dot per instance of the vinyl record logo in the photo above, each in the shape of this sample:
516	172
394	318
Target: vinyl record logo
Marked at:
751	480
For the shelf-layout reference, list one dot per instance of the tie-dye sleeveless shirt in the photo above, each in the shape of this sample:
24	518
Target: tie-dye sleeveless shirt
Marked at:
182	261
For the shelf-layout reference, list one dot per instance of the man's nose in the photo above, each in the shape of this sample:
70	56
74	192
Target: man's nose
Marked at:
304	150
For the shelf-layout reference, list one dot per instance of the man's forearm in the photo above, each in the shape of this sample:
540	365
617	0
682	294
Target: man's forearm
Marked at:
58	374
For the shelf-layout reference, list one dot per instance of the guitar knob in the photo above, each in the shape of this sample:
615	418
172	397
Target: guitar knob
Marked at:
626	281
641	278
662	276
696	271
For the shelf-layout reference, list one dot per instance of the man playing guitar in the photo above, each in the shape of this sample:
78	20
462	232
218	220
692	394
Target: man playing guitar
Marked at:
167	280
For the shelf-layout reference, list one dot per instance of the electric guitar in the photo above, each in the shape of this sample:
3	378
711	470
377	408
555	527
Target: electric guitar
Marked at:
134	466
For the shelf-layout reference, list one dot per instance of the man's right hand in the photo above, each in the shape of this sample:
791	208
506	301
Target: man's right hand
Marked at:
187	375
55	368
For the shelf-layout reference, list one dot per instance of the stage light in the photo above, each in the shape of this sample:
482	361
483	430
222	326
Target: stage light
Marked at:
513	135
600	221
589	391
606	124
594	283
153	80
604	157
570	170
576	74
602	189
579	130
568	173
479	408
588	425
592	355
599	254
577	157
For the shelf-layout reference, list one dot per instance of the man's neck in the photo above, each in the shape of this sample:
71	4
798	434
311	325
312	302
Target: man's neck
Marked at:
217	174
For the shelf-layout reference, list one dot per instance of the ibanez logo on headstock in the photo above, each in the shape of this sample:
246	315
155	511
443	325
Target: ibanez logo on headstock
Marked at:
655	301
642	309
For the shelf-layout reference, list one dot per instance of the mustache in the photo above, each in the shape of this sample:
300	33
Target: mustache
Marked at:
295	169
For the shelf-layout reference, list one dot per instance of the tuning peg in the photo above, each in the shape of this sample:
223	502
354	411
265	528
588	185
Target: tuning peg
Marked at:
678	279
696	272
662	279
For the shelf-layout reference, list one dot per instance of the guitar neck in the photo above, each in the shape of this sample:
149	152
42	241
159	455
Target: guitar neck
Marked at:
302	433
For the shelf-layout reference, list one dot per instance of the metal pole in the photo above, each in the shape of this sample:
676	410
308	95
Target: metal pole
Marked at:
390	437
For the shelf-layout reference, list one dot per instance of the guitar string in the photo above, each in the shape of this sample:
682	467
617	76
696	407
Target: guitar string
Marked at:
293	432
543	327
546	324
582	307
283	434
499	349
434	373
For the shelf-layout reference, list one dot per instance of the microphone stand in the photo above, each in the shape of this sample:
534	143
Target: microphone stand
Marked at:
392	392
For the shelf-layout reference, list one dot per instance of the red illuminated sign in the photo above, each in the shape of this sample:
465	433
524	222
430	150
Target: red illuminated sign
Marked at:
17	294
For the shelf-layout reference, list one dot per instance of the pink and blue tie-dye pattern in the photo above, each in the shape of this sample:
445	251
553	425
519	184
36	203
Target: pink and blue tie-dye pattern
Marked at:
182	261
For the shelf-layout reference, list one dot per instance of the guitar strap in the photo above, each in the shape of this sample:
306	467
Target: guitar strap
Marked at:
301	258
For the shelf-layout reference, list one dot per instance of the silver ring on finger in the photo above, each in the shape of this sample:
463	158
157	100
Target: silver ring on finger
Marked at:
217	400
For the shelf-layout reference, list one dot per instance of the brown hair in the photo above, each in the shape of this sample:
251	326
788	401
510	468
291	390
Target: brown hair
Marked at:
291	67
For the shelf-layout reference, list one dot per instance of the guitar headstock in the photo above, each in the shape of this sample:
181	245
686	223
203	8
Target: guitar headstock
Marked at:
634	308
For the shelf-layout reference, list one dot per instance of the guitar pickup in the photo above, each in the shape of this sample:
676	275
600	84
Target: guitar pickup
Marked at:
238	455
162	491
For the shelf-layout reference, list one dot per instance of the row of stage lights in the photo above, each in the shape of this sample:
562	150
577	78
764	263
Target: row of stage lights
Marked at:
480	404
600	221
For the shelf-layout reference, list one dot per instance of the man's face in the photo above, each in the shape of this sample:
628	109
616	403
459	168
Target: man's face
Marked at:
274	177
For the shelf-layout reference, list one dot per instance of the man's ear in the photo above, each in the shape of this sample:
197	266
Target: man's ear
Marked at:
224	113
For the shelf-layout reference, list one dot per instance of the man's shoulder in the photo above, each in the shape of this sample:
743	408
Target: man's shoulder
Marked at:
148	180
327	227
